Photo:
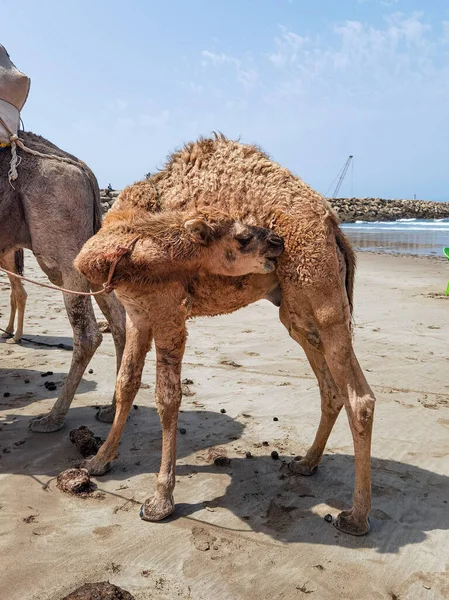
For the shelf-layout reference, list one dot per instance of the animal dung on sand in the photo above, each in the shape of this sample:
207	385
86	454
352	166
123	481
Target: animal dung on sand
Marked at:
74	481
103	590
86	442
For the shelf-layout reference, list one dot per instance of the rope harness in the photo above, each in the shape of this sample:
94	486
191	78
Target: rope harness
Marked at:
15	141
107	287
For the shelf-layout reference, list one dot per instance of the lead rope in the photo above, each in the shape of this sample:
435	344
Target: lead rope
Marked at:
107	287
16	159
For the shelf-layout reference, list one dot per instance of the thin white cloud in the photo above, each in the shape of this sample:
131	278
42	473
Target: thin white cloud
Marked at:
288	47
245	75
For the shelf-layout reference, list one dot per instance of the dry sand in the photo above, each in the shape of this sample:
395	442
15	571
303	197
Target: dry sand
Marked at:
243	531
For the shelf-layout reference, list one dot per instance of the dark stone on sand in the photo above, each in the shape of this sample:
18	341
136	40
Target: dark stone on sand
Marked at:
74	481
222	461
328	518
26	380
50	385
223	410
275	419
265	444
102	590
274	455
86	442
248	455
182	430
91	371
6	395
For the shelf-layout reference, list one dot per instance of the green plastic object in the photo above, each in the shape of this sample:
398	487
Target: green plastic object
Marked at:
446	252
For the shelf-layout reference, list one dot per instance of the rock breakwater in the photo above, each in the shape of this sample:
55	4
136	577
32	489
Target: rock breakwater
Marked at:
350	210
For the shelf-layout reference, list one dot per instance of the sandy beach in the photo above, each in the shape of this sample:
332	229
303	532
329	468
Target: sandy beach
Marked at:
248	530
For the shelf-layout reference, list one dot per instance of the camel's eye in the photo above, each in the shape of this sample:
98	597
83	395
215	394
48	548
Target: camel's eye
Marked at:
244	239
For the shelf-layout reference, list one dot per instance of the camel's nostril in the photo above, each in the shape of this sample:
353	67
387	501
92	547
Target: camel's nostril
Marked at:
276	241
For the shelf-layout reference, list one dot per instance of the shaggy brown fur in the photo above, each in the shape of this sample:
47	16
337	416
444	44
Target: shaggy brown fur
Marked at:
313	287
174	246
13	261
52	210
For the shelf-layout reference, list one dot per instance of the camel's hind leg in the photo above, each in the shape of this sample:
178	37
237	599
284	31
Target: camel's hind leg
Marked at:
116	317
331	404
86	339
325	326
17	300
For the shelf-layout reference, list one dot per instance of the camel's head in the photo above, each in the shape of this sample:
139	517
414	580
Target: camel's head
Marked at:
236	249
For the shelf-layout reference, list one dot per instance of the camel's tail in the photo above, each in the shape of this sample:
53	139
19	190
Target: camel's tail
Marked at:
350	260
98	216
19	261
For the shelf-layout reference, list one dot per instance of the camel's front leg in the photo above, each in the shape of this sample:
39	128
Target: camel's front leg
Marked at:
17	299
86	339
138	342
9	331
18	302
170	344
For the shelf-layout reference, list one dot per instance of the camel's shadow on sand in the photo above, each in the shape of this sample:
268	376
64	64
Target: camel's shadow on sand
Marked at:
20	385
408	501
34	341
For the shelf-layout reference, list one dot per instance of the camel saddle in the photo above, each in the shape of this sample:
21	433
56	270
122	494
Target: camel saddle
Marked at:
14	88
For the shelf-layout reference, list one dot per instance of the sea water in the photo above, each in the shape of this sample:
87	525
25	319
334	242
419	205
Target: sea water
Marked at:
405	236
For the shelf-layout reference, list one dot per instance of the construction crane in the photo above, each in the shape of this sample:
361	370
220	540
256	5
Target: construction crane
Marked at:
342	176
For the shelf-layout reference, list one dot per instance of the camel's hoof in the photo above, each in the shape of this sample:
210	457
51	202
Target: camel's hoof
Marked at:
46	423
7	334
348	524
14	340
95	466
106	414
155	509
300	467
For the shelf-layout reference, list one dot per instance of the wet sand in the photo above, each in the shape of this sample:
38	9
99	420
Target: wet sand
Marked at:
243	531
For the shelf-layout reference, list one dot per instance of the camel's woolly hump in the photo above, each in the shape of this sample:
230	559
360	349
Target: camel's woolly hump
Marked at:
243	181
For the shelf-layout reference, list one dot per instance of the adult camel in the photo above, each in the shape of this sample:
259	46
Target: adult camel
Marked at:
53	208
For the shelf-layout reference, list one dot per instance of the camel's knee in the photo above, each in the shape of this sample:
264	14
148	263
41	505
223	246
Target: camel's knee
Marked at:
128	383
360	411
85	343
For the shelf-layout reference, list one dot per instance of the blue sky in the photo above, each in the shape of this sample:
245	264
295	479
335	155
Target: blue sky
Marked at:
122	84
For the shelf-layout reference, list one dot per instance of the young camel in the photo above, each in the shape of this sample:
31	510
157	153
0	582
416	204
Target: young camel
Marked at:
312	285
13	261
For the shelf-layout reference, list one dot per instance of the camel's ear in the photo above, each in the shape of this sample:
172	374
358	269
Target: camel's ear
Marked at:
199	229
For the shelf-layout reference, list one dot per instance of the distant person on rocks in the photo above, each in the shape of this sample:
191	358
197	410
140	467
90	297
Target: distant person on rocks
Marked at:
108	190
